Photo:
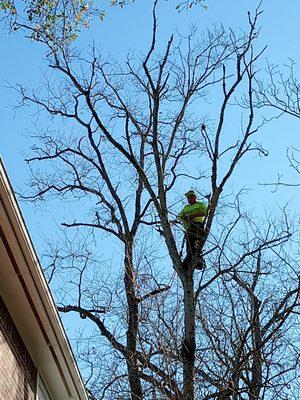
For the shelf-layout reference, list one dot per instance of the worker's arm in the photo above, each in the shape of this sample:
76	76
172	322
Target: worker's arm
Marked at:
181	216
196	214
201	212
190	217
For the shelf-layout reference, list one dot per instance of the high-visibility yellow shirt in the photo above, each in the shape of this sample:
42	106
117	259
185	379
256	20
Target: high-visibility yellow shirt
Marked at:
191	209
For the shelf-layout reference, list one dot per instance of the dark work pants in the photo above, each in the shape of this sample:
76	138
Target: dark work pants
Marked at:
194	233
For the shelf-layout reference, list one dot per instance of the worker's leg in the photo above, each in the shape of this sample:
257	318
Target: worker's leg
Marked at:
190	238
190	244
194	233
203	235
200	238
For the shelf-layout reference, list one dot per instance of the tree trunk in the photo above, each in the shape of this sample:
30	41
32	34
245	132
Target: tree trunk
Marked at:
132	364
189	340
256	370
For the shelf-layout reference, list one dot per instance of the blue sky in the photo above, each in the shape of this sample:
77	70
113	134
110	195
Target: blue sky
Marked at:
129	29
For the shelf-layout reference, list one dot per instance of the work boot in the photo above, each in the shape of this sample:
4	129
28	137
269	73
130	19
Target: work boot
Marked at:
186	263
201	264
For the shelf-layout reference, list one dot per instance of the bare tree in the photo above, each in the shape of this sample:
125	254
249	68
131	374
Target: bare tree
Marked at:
281	94
135	135
282	90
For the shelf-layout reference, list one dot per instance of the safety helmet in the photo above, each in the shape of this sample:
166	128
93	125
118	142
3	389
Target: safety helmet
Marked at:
190	193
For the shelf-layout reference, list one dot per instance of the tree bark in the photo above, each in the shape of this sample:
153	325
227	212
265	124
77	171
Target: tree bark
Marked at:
256	370
131	335
189	339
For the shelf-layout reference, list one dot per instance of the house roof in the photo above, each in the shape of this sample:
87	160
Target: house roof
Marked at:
28	298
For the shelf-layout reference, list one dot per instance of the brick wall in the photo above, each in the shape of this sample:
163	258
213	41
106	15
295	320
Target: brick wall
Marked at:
17	371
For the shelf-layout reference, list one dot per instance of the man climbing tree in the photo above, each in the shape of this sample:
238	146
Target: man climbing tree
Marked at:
192	217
